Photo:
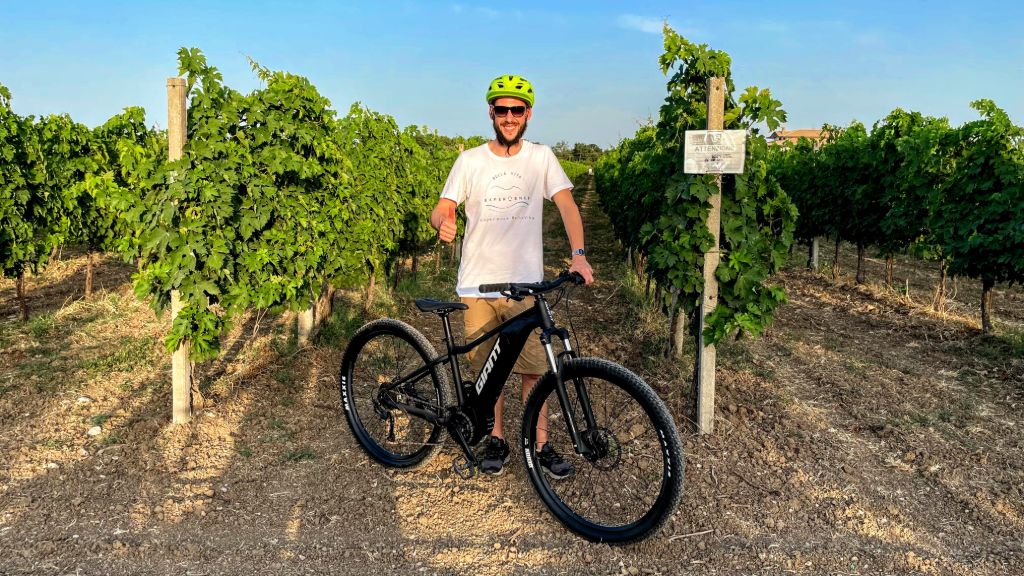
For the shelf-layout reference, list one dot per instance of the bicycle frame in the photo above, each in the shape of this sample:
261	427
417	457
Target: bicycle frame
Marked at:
476	400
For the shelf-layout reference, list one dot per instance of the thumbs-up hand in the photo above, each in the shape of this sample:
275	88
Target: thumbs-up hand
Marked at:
449	226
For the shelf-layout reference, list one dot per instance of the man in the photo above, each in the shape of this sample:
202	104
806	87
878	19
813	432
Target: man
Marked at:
503	184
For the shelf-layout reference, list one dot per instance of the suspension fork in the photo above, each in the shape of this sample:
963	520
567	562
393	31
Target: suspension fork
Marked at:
581	389
557	363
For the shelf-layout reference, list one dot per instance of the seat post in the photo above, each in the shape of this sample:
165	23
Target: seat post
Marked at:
453	362
448	340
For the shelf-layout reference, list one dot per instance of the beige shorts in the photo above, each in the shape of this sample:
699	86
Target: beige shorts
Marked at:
486	313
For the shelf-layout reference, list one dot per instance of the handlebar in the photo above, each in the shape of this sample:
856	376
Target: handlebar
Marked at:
518	291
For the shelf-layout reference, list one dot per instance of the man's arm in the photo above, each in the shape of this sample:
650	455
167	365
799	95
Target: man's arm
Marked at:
574	230
442	218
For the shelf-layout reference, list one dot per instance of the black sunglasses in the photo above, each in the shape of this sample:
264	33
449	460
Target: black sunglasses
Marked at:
517	111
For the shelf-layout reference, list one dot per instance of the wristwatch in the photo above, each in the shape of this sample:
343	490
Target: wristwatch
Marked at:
579	252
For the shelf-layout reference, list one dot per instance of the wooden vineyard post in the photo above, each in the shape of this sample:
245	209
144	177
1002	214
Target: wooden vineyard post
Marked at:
22	301
709	299
181	366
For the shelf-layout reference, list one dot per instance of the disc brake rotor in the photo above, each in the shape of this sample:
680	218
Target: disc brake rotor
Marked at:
606	451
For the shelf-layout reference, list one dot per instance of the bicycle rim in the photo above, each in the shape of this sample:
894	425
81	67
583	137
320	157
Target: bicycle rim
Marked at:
632	485
377	357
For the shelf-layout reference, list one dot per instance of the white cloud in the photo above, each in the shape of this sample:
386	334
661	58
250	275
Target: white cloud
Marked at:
641	23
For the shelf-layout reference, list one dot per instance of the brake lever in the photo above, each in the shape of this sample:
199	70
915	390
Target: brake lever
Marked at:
510	296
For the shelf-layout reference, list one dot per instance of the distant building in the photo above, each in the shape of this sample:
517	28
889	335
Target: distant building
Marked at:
783	135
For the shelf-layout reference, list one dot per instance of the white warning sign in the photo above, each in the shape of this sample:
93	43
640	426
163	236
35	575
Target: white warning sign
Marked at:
715	151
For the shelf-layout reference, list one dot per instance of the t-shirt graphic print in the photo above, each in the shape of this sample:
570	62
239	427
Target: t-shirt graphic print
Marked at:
505	198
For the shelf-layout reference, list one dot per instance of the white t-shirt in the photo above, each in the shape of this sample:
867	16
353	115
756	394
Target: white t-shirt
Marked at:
504	199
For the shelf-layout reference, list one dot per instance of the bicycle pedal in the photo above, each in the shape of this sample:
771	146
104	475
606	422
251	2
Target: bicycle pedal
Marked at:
463	467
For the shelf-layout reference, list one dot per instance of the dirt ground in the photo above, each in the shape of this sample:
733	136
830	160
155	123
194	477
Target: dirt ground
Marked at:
862	434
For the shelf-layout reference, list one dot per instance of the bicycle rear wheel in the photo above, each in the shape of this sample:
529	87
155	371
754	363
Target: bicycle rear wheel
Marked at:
632	482
379	354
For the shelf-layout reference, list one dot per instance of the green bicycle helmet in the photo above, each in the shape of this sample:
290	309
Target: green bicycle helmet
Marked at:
511	86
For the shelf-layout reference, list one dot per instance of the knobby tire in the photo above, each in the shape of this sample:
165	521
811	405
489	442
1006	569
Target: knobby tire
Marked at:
379	353
629	492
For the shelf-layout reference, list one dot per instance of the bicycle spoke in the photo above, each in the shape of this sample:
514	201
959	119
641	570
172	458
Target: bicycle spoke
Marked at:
619	483
377	358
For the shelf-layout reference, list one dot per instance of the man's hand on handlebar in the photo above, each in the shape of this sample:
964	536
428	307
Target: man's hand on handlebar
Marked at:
517	291
582	267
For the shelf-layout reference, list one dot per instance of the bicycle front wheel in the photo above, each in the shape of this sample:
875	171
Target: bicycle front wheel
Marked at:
379	355
631	481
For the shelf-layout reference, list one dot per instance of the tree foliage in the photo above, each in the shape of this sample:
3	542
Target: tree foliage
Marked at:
915	184
662	212
27	209
980	225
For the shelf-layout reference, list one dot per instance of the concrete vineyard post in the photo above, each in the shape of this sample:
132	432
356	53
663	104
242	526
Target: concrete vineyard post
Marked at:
181	366
709	298
306	324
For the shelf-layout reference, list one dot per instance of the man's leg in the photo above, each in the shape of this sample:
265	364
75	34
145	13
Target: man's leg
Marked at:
480	317
529	381
499	409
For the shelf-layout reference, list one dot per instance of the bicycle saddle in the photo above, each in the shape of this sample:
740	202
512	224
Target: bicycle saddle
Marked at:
439	307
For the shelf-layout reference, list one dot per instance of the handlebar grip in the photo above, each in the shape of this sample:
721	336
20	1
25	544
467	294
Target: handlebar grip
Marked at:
485	288
574	277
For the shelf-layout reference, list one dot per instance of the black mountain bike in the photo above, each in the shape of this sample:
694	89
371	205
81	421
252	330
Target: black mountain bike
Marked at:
614	429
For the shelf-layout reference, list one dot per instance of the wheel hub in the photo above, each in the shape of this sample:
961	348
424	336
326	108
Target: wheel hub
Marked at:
605	449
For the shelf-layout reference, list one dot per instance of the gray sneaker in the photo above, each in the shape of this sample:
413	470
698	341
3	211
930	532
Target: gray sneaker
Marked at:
553	464
494	456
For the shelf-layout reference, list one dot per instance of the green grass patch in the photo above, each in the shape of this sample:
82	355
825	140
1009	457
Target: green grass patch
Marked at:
280	432
130	353
41	326
1014	340
736	354
111	439
339	328
100	419
285	376
45	370
285	345
430	281
300	454
55	444
945	415
243	451
856	367
634	288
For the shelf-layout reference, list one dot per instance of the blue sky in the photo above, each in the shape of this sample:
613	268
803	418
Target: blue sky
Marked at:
594	64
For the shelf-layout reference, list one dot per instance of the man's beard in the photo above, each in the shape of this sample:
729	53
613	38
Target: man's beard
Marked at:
505	142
